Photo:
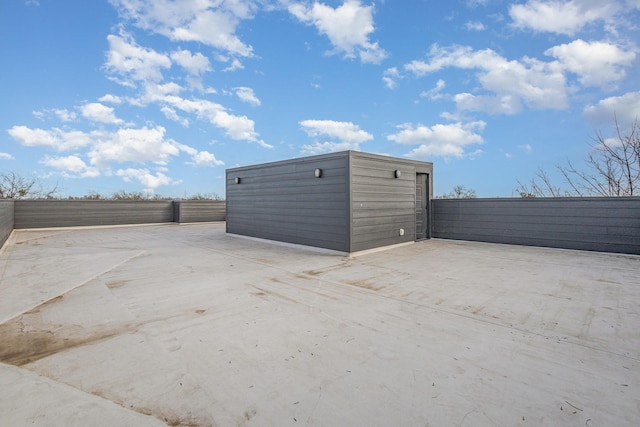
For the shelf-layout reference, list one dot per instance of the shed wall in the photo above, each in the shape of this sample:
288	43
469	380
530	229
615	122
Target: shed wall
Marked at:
596	224
6	219
284	201
74	213
381	204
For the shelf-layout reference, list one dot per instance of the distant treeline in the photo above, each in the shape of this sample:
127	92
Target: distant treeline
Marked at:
139	195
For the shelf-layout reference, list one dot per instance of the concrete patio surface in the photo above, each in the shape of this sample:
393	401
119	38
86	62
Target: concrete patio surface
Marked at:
182	325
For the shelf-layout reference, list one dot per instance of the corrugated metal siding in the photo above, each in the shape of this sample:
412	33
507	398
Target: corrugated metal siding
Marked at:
596	224
381	204
284	201
6	220
199	210
73	213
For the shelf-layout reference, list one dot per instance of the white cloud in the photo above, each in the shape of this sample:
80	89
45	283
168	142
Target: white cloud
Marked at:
476	3
510	83
6	156
439	140
194	64
246	95
490	104
526	148
132	145
329	147
345	131
171	114
235	65
40	115
65	115
132	62
349	136
435	92
475	26
205	158
390	77
155	92
57	139
236	127
348	27
97	112
110	99
105	148
596	63
562	17
149	181
71	166
212	23
625	107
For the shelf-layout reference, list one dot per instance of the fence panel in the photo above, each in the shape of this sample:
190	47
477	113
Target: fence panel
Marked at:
74	213
6	220
594	224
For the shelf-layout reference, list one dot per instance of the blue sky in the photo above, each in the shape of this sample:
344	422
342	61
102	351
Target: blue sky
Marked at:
161	96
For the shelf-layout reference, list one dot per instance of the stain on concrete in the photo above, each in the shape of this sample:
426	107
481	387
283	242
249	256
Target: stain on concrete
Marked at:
163	414
327	269
27	338
114	284
313	272
365	284
21	346
266	293
249	414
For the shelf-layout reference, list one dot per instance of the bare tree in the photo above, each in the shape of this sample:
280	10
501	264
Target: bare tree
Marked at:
14	186
460	192
540	186
612	169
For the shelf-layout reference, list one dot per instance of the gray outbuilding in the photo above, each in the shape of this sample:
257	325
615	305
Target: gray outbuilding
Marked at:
347	201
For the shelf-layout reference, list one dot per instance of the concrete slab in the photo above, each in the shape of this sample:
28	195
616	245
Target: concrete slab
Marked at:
183	325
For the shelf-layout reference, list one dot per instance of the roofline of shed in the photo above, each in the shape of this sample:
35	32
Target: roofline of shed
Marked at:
337	154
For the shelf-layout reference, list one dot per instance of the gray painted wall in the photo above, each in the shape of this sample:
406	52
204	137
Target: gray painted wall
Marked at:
6	219
73	213
284	201
382	204
595	224
357	204
199	211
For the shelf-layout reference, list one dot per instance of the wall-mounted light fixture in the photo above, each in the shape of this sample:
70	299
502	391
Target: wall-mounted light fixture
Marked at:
238	180
397	173
318	173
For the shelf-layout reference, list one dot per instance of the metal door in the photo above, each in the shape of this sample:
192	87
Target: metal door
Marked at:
422	204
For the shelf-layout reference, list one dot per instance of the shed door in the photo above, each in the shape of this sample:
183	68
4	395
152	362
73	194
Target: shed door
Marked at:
422	203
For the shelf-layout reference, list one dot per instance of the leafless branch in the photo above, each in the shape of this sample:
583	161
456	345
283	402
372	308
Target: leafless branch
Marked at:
611	169
14	186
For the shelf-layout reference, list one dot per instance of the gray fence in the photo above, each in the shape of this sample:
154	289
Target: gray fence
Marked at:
595	224
72	213
6	220
199	211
